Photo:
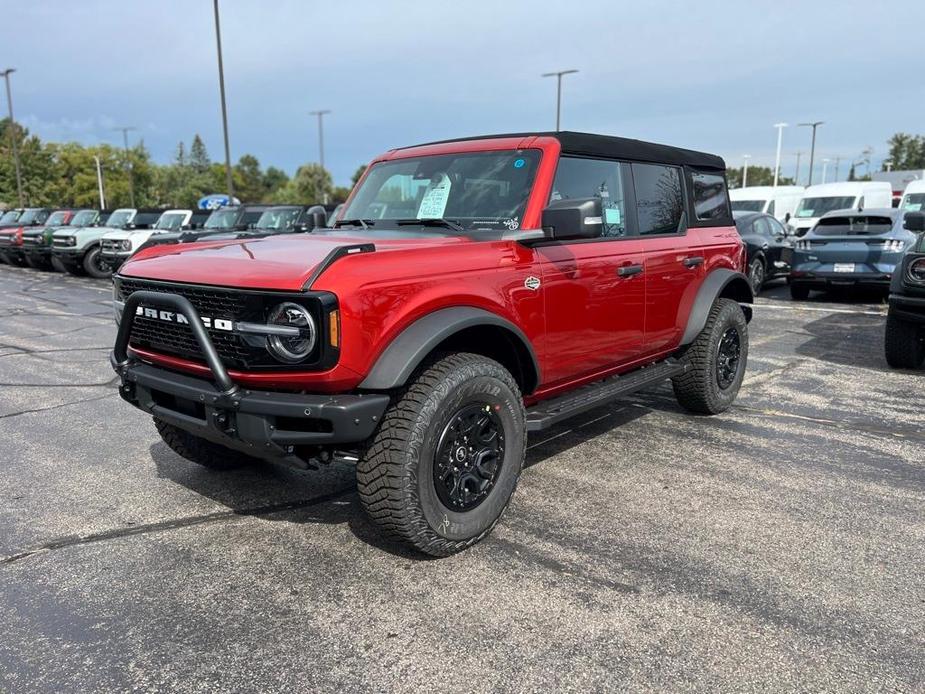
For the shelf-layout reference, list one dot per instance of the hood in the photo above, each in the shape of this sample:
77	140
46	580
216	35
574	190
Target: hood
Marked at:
281	262
122	234
83	233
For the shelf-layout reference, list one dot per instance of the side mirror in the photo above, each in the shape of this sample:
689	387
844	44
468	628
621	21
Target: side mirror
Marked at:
319	220
915	221
580	218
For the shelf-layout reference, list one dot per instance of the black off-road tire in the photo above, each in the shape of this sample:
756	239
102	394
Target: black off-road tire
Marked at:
200	451
757	274
395	473
799	292
92	266
698	389
904	343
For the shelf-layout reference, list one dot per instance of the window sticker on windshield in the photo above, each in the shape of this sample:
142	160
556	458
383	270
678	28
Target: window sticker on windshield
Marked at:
805	213
519	163
433	204
612	215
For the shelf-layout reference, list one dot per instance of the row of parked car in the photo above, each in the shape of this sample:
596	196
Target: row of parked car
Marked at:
96	242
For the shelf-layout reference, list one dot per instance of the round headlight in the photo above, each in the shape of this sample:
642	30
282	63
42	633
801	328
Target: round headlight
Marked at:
917	270
295	347
126	245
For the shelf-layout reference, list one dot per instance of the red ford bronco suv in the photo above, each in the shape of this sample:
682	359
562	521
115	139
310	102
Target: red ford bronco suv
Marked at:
470	292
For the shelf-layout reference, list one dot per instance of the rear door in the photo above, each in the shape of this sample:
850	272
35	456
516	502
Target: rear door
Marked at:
674	260
594	288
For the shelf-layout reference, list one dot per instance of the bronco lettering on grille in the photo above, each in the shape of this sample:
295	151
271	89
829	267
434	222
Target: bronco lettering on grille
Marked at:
173	317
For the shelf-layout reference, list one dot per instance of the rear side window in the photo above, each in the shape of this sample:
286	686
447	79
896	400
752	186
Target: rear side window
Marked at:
659	199
770	209
711	201
594	178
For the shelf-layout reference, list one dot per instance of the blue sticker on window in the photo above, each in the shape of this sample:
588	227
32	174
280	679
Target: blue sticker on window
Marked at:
519	163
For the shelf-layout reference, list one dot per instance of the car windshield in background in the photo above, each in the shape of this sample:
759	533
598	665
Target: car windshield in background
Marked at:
84	218
170	222
119	218
56	219
9	217
281	219
748	205
221	219
914	202
146	219
848	226
816	207
29	216
477	191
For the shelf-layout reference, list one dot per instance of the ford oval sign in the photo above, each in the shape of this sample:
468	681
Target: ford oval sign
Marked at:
216	200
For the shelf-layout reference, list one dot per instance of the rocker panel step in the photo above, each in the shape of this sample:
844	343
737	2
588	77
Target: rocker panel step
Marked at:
548	412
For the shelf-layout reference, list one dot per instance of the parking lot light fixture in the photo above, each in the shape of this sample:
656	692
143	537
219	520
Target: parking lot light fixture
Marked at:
9	101
99	181
812	149
221	89
796	176
320	115
558	76
780	135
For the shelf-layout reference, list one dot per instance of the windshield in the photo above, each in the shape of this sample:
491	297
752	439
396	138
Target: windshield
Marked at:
221	219
478	191
171	221
57	219
9	217
748	205
120	218
279	219
846	226
29	216
816	207
913	202
84	218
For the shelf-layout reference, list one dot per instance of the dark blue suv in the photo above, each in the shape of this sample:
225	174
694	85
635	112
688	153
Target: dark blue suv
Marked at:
905	322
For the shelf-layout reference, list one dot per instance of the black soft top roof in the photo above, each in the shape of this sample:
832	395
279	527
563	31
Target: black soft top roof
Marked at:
589	144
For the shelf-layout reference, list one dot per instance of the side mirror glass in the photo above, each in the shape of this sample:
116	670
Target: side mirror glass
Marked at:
580	218
914	221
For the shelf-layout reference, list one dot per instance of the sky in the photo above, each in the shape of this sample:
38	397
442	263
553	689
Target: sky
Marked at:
713	76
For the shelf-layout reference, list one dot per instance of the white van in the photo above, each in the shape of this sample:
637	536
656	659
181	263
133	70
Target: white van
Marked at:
781	201
844	195
913	199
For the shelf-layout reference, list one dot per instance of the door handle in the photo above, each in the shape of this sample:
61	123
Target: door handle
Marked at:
629	270
693	261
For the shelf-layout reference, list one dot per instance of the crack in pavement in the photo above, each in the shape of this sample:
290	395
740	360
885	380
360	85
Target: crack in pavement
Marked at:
34	352
177	523
58	406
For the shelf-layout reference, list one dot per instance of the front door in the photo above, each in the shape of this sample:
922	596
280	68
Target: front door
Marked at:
594	289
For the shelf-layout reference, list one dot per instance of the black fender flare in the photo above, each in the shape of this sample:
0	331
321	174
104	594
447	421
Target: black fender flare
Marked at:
405	353
717	283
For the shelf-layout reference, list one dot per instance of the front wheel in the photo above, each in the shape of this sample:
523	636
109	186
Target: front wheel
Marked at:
444	463
715	361
904	343
95	266
756	275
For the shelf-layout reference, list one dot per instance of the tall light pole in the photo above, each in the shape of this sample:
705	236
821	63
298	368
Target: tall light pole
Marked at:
558	76
780	135
9	100
796	176
812	149
128	164
99	182
745	158
320	115
221	88
825	166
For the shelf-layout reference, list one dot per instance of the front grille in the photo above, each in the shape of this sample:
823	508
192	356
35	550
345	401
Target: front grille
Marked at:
32	240
61	242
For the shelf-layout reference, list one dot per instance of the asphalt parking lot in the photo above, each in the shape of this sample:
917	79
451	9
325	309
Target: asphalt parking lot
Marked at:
778	547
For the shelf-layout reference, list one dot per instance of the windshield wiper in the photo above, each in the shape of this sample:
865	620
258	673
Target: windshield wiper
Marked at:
432	222
365	223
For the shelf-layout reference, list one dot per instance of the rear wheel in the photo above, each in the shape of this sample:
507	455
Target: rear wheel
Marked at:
94	265
904	343
756	274
200	451
443	465
715	361
799	292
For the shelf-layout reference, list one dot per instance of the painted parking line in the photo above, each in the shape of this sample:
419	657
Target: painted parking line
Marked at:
818	309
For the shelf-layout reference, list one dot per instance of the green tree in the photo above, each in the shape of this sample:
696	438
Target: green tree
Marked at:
273	180
198	156
310	184
358	174
757	176
251	187
907	151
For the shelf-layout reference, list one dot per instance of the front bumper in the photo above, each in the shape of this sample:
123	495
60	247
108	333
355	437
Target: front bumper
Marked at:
908	308
37	252
825	280
114	260
264	424
69	256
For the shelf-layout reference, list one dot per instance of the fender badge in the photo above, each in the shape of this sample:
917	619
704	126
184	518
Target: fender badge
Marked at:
532	282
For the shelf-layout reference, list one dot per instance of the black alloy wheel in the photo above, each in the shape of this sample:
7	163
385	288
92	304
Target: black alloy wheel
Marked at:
727	358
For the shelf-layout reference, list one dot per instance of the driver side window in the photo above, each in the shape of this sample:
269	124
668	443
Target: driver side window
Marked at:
577	178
